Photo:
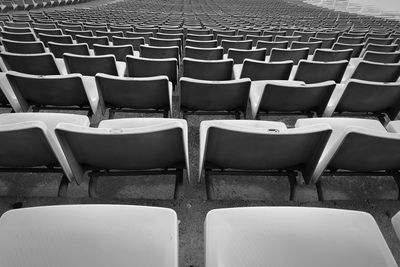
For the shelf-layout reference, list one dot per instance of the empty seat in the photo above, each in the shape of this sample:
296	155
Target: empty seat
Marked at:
270	45
147	236
201	44
109	35
39	64
315	71
312	46
18	47
314	236
122	146
135	42
145	35
357	48
256	38
260	148
295	55
382	57
380	48
210	97
325	42
350	40
74	33
91	40
216	70
119	51
216	53
63	39
201	37
289	39
149	94
227	44
148	51
91	65
377	72
326	55
239	55
148	67
61	92
58	49
290	97
22	37
261	70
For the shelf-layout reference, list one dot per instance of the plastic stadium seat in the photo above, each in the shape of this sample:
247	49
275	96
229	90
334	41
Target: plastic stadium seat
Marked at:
165	42
228	44
148	51
153	94
315	71
305	36
198	31
290	97
35	131
216	53
328	34
58	49
270	45
35	47
121	28
261	148
199	96
148	67
274	34
365	97
261	70
74	33
262	236
62	39
327	55
22	37
119	51
17	29
380	48
256	38
295	55
110	34
357	48
379	41
201	37
48	32
135	42
145	35
239	55
124	234
289	39
53	92
136	146
377	72
39	64
91	40
361	147
95	28
327	43
312	46
91	65
350	40
201	44
232	38
216	70
382	57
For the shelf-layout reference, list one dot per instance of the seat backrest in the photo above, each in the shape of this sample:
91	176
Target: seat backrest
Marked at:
74	33
357	48
289	39
310	45
239	55
216	70
204	53
256	38
221	37
90	65
201	44
136	42
90	41
315	71
35	47
295	55
147	67
326	55
269	45
214	96
377	72
326	42
58	49
145	35
260	70
22	37
382	57
48	31
119	51
350	40
201	37
39	64
328	34
228	44
381	48
148	51
109	35
62	39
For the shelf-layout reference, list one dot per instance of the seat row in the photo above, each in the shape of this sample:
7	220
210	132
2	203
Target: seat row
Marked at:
64	143
148	236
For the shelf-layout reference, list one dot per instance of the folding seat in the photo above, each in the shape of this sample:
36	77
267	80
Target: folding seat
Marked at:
201	44
239	55
148	67
109	35
39	64
198	31
60	92
290	98
379	41
74	33
150	233
382	57
367	98
29	145
357	48
221	38
376	72
94	29
166	42
327	55
353	35
380	48
376	35
326	42
223	32
314	236
17	29
48	32
58	49
261	70
145	35
18	47
350	40
256	38
200	37
91	40
358	147
305	36
17	24
245	44
136	146
204	53
153	30
274	34
91	65
62	39
312	46
214	70
289	39
136	42
121	28
210	97
119	51
295	55
167	36
171	30
148	51
261	148
21	37
328	34
73	28
316	71
143	95
44	26
270	45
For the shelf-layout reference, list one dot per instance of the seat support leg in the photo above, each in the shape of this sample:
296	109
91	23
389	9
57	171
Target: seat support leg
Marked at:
178	183
93	185
63	187
318	185
293	184
208	182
